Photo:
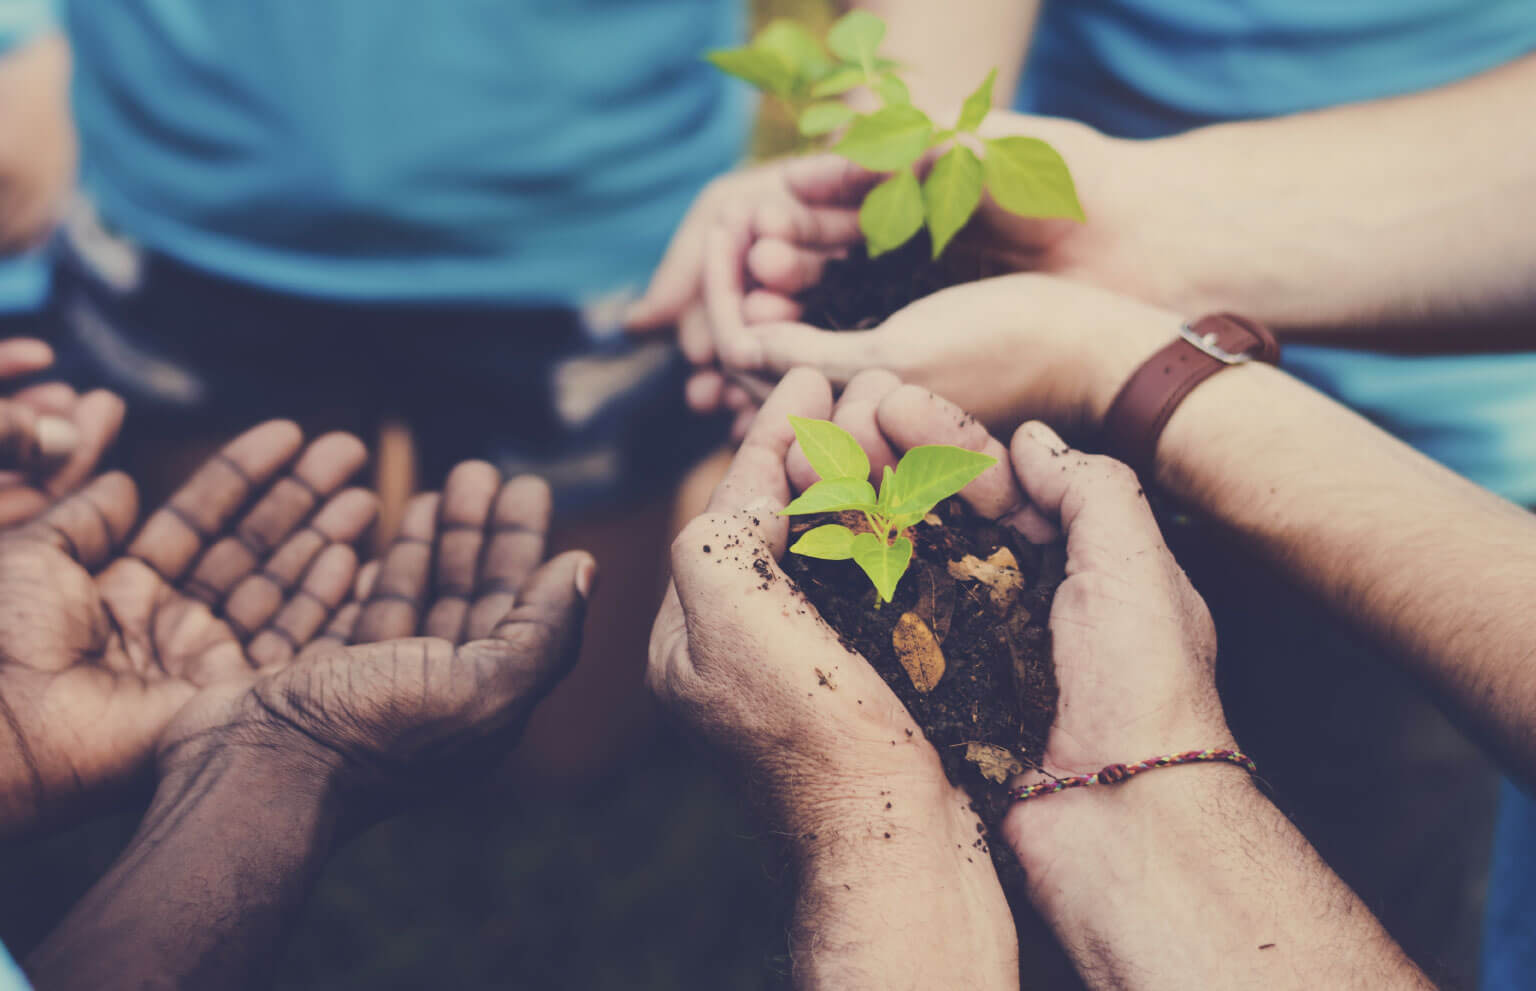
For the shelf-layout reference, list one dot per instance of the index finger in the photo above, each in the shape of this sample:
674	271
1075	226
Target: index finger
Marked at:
758	470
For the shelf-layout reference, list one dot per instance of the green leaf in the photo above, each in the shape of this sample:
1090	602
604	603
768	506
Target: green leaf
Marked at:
831	450
763	69
891	213
888	139
821	118
856	35
933	472
951	194
829	542
883	563
977	105
837	82
796	47
887	489
901	521
833	495
892	91
1028	177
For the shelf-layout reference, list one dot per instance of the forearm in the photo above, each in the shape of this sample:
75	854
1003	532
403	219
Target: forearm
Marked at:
37	143
1400	214
895	891
202	896
1188	877
1435	567
947	56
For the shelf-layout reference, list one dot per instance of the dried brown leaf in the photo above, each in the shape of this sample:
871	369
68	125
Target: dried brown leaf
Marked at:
999	573
995	763
918	651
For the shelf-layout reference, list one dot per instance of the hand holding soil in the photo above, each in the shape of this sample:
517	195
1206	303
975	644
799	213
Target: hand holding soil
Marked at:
1134	645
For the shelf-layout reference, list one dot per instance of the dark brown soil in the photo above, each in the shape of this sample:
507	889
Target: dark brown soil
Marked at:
998	685
858	292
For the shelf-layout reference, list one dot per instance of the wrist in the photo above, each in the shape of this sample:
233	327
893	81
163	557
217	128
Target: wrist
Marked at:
226	737
883	871
1093	835
1118	335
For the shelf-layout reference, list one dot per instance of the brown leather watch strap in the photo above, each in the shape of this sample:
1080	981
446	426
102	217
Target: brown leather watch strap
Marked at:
1144	404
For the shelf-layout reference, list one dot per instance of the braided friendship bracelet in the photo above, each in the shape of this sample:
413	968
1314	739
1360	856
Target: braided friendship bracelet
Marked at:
1116	773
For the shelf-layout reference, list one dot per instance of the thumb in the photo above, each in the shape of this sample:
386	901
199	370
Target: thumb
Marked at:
28	439
775	348
538	641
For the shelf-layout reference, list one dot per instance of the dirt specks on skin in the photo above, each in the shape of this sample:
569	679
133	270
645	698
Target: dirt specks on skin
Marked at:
825	680
997	687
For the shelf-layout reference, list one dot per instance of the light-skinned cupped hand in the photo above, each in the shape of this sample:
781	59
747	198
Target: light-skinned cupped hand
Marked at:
758	256
110	628
1133	643
428	676
51	438
740	657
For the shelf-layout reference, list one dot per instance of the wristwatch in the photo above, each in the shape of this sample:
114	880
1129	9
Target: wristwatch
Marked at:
1204	347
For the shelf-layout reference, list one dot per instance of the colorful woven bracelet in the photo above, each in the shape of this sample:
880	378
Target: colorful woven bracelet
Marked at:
1116	773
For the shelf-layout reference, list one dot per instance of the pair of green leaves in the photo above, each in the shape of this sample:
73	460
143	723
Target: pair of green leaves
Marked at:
923	478
1025	175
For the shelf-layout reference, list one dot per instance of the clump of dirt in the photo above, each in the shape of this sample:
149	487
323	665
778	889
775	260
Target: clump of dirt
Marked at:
964	644
857	292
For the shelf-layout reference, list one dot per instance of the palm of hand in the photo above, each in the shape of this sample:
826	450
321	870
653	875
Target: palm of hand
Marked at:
457	635
93	668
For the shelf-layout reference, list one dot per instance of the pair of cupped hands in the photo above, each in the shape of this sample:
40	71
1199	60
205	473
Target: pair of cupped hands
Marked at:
1050	341
237	616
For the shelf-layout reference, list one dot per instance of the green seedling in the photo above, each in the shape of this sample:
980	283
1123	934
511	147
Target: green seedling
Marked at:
1024	175
923	478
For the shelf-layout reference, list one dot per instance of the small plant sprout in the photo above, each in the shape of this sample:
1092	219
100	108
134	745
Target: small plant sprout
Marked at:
921	480
1024	175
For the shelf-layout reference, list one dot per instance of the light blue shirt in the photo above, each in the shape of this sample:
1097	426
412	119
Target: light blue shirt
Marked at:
11	978
23	279
1144	68
488	151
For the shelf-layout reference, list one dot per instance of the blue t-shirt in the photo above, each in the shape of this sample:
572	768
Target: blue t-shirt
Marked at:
11	978
489	151
23	278
1145	68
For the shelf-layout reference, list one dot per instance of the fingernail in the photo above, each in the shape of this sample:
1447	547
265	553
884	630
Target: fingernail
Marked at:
586	574
56	437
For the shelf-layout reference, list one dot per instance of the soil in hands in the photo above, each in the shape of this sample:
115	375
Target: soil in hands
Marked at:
857	292
964	644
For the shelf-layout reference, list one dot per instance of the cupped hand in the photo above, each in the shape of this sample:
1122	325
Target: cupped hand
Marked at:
51	438
1133	643
429	678
742	658
99	647
1009	349
786	201
759	268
